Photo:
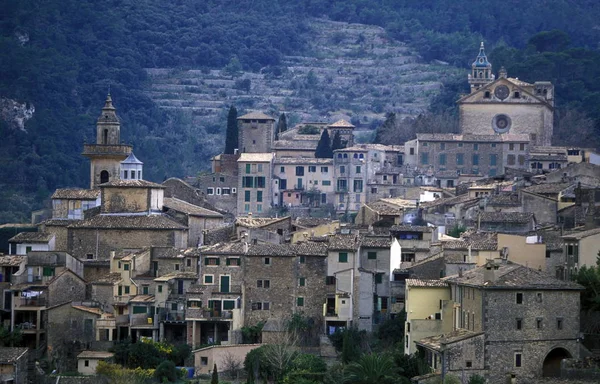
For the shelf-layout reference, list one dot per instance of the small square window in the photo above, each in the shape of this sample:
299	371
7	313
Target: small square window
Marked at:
469	364
86	363
160	289
208	279
343	257
539	297
173	306
372	255
267	261
127	289
266	306
267	283
519	298
300	301
204	360
176	267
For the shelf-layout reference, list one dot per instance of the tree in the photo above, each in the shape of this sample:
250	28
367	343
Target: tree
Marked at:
281	125
231	365
166	371
476	379
215	375
10	339
372	368
350	347
231	136
589	277
337	142
323	150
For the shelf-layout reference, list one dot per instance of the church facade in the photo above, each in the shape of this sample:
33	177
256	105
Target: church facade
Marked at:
504	105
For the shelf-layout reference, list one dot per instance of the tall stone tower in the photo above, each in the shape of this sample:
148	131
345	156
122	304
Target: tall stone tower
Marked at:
481	71
255	133
106	155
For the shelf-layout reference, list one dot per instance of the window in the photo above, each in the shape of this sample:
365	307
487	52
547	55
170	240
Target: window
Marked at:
219	191
89	256
559	323
442	146
302	259
469	364
378	278
519	324
442	159
493	159
538	297
511	147
358	185
510	159
538	323
176	266
145	289
519	298
342	169
267	261
522	160
300	171
460	145
86	363
259	182
324	169
518	357
204	360
263	283
226	191
246	207
210	191
343	257
460	159
209	279
247	196
302	282
266	306
424	144
260	167
211	261
342	186
517	95
159	288
372	255
424	158
259	195
127	289
312	169
411	151
475	147
330	280
247	182
358	169
522	147
233	261
258	207
300	301
248	167
475	160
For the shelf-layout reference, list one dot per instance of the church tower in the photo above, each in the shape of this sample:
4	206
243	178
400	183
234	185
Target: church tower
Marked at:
108	153
481	71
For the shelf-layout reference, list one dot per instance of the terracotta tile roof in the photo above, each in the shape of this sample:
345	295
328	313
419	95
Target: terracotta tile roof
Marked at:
303	160
368	147
582	234
255	116
436	342
504	200
95	311
341	124
426	283
131	184
95	355
11	261
385	209
177	253
228	248
59	222
448	201
294	144
506	217
190	209
76	194
142	299
129	222
268	249
11	354
343	242
177	275
310	248
547	157
478	241
411	228
31	237
546	188
310	222
259	157
399	202
257	222
472	138
375	241
109	279
513	276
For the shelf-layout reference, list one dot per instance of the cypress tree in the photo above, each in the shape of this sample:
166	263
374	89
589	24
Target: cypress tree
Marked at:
323	150
337	142
231	135
215	375
282	123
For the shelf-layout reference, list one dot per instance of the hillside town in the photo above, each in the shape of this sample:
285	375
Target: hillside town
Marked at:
473	238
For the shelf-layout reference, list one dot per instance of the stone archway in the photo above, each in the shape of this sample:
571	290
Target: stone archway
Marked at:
551	367
104	176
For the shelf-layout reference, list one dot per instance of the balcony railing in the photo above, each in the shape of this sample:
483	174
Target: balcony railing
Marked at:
30	302
202	313
232	289
123	299
106	323
173	316
143	320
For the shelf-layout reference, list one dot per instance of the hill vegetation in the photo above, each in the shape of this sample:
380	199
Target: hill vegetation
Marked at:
60	57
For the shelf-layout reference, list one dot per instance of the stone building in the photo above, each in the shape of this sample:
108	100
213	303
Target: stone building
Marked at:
515	322
197	219
108	152
70	203
256	132
503	105
254	193
580	248
302	181
13	365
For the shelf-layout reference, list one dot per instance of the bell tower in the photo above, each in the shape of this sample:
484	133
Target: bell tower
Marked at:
108	152
481	71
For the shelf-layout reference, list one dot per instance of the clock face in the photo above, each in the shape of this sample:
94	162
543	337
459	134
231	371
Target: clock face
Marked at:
501	92
501	123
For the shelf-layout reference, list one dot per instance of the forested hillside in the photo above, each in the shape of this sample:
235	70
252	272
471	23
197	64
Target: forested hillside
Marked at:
60	57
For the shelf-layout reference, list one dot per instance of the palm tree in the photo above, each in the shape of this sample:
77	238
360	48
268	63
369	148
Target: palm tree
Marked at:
372	368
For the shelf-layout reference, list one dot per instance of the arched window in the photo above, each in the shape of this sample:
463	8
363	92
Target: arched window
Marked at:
104	177
105	137
487	95
361	156
356	155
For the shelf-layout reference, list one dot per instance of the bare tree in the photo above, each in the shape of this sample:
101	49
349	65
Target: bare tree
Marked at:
282	347
231	365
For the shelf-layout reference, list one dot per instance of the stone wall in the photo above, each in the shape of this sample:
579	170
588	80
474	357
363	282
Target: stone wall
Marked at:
66	287
545	208
459	353
125	200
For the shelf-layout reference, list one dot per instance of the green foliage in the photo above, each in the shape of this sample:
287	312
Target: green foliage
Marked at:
255	365
350	346
456	230
10	339
451	379
243	84
215	375
476	379
323	150
252	334
589	277
372	368
391	331
410	365
115	374
147	354
231	135
336	143
306	369
308	130
166	371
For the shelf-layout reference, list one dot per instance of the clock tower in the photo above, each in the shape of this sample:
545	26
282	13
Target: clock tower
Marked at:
481	71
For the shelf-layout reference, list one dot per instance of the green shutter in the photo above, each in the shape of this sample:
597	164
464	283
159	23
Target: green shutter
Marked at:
300	301
228	304
372	255
206	261
138	309
160	289
378	278
343	257
227	261
302	282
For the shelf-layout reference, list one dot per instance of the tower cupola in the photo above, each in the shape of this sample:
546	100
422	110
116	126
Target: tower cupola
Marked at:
108	127
131	168
481	71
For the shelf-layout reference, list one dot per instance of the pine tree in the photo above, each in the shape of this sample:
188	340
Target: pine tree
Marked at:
337	142
231	135
323	150
215	375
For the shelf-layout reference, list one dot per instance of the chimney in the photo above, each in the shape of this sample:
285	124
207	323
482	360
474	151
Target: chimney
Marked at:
489	274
